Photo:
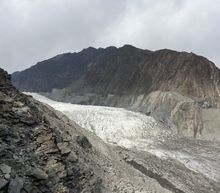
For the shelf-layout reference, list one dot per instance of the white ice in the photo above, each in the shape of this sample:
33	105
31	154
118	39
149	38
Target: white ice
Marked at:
113	125
130	130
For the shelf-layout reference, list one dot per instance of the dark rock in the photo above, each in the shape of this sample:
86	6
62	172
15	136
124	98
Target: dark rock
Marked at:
83	142
15	185
38	174
5	169
63	147
27	120
56	168
3	183
72	158
44	138
28	187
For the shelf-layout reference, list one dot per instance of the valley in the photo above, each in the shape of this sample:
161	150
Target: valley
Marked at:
109	96
137	131
119	120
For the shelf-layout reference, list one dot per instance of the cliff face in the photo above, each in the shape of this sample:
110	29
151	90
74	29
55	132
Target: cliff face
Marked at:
125	71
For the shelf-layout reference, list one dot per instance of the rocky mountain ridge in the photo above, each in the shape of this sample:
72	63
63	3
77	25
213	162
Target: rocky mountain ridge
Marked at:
171	86
124	71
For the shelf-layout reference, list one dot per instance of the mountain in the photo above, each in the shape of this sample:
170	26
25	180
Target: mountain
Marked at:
41	151
124	71
174	87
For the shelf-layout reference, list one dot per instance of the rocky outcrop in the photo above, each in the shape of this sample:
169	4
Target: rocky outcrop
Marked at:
30	158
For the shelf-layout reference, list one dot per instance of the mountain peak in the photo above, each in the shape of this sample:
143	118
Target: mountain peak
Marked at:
128	46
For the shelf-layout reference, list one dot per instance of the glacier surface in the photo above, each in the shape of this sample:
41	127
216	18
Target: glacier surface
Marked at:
135	130
113	125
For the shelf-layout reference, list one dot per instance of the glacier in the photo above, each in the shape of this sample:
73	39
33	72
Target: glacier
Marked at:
134	130
113	125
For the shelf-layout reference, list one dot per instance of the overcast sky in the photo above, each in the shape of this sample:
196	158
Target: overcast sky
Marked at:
34	30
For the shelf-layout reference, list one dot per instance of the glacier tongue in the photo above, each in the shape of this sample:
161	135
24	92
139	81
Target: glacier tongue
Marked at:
113	125
135	130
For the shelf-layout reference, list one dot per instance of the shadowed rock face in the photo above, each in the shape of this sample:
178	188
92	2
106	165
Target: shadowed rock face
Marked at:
124	71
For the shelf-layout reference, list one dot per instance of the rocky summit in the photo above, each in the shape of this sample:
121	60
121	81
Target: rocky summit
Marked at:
174	87
41	150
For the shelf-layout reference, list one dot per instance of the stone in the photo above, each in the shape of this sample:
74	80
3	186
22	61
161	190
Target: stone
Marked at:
63	147
83	142
7	176
6	108
38	174
5	169
48	147
27	120
28	187
56	168
72	157
18	104
15	185
44	138
3	183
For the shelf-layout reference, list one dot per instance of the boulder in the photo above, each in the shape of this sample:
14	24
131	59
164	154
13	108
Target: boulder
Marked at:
15	185
5	169
63	147
38	173
3	183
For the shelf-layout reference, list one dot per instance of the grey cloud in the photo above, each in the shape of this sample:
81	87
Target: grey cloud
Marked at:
33	30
